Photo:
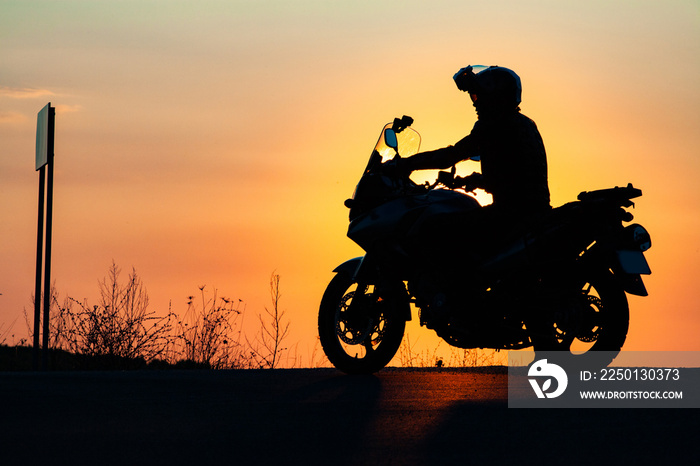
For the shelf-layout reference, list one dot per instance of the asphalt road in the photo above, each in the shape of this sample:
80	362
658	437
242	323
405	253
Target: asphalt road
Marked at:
400	416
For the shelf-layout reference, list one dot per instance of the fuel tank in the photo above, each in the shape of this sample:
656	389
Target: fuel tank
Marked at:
399	218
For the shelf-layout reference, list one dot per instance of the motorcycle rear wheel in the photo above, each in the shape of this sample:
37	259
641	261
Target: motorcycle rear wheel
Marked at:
362	339
593	328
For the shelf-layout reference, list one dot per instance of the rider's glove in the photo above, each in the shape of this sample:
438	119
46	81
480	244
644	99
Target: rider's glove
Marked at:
446	178
473	181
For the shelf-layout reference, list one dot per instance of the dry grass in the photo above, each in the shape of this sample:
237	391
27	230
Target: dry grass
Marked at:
121	332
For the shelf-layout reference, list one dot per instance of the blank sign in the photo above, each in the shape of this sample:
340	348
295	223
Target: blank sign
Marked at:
42	137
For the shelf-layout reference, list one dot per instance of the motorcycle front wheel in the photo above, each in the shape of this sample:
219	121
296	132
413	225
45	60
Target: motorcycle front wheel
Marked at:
363	337
592	325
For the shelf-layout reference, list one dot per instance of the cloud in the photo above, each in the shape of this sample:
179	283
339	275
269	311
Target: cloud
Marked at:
9	117
12	117
60	108
23	92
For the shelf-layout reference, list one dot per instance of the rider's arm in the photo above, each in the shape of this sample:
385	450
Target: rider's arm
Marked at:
434	159
446	157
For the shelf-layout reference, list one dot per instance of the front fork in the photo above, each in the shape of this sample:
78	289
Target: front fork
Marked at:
365	272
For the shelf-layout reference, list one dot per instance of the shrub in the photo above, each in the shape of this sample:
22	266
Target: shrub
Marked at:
266	349
121	332
119	327
208	336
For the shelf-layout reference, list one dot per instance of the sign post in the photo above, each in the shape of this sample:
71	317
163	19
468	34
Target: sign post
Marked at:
44	165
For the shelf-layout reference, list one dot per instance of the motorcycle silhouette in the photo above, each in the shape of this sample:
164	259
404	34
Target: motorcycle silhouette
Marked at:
559	284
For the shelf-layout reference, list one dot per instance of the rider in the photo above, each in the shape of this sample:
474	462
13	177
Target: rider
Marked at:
513	170
512	154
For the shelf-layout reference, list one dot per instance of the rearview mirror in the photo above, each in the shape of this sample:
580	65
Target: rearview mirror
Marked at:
390	138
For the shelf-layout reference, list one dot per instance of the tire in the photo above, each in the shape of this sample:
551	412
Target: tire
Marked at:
590	328
367	340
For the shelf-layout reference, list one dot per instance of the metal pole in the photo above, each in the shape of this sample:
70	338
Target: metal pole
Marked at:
49	224
39	256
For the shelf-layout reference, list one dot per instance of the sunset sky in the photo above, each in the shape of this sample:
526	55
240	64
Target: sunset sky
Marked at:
214	142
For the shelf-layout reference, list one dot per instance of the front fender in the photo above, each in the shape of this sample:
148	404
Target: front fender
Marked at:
349	267
359	269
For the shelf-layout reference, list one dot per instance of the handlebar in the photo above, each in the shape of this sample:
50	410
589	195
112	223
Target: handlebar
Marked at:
445	178
468	183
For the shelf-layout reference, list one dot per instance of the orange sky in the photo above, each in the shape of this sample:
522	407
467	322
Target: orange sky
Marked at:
215	142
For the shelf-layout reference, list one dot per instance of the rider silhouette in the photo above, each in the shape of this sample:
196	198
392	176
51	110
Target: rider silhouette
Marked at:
512	154
513	169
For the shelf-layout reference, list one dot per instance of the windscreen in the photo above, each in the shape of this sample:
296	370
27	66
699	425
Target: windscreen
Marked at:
409	144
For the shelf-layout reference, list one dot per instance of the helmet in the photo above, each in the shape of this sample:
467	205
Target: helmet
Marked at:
493	86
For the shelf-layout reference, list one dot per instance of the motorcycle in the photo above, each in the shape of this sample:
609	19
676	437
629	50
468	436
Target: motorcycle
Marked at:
557	285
